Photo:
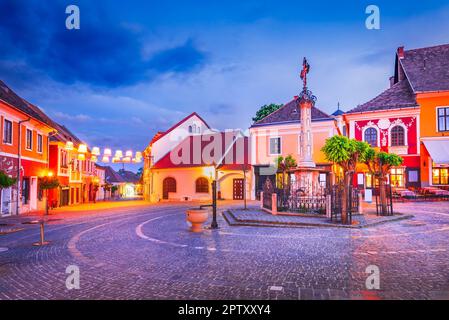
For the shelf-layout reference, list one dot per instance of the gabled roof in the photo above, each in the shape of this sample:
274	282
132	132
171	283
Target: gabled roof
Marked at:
198	145
161	134
63	135
129	176
427	69
290	113
111	176
400	95
11	98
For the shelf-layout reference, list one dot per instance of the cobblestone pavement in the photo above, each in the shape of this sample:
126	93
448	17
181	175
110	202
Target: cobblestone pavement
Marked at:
146	252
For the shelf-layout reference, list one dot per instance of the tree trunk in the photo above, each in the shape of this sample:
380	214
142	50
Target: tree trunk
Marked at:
383	195
345	195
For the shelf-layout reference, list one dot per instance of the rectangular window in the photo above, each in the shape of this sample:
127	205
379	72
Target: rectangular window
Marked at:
413	176
40	142
397	177
443	119
440	176
275	145
29	139
7	132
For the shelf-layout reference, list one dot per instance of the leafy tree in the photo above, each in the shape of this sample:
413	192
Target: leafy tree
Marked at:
285	164
265	110
139	172
48	183
379	165
6	181
346	153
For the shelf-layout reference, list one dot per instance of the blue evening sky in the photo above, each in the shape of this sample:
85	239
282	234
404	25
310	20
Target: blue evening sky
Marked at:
136	67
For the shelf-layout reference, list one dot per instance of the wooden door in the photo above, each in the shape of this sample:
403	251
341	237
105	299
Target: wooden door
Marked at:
237	192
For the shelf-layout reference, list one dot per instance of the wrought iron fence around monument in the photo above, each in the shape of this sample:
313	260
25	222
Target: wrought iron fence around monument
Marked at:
337	201
296	197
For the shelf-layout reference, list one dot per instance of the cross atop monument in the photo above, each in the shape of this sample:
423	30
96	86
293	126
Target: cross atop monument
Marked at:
305	70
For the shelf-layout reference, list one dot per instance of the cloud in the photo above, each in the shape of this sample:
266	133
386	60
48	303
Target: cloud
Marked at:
102	53
64	116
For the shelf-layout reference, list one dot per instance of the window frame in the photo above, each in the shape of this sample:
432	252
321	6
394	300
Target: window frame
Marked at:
404	136
26	139
280	145
199	188
11	133
39	143
377	138
445	117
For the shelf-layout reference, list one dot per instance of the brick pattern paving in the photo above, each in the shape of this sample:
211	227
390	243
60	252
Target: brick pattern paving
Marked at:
146	252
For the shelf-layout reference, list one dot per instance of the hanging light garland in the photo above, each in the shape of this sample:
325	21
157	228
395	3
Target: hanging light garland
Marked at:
118	157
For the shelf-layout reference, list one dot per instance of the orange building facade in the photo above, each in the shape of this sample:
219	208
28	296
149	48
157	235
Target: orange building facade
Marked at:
24	152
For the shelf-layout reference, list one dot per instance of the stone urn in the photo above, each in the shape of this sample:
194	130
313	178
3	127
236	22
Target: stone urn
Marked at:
197	217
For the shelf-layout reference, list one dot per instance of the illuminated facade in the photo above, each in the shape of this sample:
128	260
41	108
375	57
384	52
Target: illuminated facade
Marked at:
24	132
411	118
181	163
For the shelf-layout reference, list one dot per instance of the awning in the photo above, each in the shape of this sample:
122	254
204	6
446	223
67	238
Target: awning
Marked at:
438	150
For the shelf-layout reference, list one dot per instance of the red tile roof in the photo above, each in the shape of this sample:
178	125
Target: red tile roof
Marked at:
236	154
290	113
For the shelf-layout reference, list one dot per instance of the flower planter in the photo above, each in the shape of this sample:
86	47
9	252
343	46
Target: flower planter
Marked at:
197	217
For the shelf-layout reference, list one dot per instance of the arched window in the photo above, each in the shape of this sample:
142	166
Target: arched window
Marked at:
397	136
371	137
168	185
190	129
202	185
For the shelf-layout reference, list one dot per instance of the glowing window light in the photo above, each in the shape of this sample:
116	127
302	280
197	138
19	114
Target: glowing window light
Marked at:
82	148
118	154
105	159
129	154
69	145
81	157
138	155
126	159
137	160
96	151
107	152
94	158
115	160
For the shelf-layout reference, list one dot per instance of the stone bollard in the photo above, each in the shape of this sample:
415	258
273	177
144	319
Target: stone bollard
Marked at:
261	200
274	204
360	208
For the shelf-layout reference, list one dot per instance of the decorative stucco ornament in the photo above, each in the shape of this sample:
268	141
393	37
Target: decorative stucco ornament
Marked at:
383	124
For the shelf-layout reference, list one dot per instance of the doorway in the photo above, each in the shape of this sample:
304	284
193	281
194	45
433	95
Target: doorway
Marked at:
5	202
168	185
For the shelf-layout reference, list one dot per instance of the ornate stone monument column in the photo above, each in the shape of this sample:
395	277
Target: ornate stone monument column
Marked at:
306	101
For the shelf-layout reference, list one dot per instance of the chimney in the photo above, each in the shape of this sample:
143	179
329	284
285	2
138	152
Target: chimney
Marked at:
401	52
391	81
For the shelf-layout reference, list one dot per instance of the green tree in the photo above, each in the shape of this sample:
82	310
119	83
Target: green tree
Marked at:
346	153
285	164
6	181
48	183
265	110
379	165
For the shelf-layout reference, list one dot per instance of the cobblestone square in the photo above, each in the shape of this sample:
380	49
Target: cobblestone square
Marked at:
145	251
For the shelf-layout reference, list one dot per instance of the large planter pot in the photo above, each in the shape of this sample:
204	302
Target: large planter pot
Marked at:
197	217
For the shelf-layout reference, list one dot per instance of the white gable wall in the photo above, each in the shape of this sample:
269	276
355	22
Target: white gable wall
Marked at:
169	141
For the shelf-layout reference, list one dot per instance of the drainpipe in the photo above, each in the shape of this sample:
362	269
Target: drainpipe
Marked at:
19	162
